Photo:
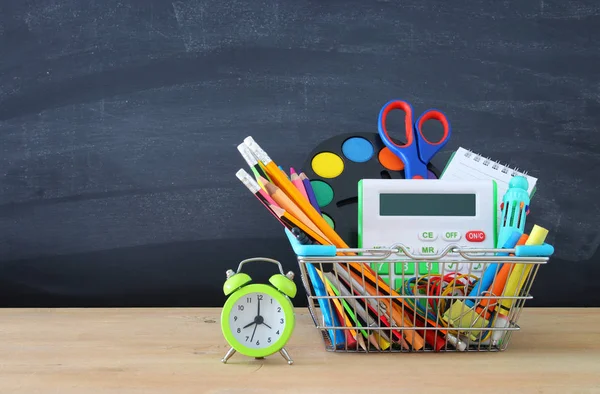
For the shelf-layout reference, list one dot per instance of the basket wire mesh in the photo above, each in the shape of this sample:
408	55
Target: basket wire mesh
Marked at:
356	311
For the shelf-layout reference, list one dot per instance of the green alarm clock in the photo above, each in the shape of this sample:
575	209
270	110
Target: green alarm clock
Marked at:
258	319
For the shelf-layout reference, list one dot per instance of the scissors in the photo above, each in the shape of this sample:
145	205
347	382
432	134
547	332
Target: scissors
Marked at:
418	150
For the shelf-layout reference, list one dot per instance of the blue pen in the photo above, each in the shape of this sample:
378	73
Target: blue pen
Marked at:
490	273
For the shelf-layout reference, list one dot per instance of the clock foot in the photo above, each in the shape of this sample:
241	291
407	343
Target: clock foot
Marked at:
285	355
228	355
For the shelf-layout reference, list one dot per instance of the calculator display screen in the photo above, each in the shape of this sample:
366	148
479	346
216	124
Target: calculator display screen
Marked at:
427	204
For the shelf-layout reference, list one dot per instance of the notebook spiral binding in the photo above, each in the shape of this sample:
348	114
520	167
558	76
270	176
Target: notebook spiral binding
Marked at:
504	168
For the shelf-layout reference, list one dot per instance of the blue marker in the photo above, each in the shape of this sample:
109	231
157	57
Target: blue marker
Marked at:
515	206
488	276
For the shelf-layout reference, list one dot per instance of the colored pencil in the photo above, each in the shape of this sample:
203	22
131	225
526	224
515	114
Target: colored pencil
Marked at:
262	181
288	188
252	185
286	203
281	181
338	306
294	222
247	180
297	181
310	192
395	311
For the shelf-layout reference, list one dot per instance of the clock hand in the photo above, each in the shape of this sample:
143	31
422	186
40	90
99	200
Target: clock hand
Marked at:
248	325
258	313
267	325
251	339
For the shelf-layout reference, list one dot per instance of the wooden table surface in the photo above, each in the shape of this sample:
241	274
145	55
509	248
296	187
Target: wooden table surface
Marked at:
179	351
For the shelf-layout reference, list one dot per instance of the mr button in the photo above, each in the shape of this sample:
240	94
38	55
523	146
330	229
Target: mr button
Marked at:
475	236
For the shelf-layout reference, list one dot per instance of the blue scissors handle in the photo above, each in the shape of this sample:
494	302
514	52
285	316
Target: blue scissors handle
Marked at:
418	150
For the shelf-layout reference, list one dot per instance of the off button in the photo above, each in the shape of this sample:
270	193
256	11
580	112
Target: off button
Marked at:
451	236
427	236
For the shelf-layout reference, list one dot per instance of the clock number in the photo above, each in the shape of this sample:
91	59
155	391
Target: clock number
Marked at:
281	320
271	300
277	332
269	339
247	337
278	309
248	300
235	318
240	307
260	297
239	330
257	343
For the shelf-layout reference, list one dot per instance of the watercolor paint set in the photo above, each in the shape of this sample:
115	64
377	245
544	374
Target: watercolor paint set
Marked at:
336	166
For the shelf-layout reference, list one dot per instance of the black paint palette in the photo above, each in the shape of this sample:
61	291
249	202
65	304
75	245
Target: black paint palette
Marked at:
336	165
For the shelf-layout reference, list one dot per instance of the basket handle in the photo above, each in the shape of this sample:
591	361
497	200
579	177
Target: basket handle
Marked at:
544	250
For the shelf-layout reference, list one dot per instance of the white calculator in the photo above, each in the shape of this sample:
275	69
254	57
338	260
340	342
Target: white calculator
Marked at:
426	216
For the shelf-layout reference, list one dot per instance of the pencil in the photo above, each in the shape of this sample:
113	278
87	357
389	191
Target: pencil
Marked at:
286	203
255	187
247	180
294	222
262	181
297	181
251	160
310	192
280	180
336	302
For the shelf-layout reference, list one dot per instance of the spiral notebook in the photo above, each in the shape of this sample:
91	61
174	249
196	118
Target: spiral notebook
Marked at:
467	165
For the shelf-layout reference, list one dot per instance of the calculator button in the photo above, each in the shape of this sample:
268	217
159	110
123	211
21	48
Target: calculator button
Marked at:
427	250
409	268
427	236
386	279
475	236
428	267
408	248
381	268
452	267
451	236
398	283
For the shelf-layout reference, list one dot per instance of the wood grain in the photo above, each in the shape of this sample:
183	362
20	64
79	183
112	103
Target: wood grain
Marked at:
175	350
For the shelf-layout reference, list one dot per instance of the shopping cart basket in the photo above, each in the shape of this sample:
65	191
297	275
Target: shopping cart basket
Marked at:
431	310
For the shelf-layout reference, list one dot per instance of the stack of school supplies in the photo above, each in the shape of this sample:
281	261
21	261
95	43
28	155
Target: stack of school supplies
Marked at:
439	311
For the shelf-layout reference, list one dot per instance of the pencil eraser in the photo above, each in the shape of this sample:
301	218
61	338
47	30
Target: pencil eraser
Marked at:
257	150
247	180
247	155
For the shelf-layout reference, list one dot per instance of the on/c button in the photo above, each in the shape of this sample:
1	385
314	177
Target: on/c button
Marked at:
427	235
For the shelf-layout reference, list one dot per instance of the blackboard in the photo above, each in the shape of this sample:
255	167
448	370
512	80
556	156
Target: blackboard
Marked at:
119	122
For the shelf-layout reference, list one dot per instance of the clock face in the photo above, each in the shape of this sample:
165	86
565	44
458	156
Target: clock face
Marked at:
257	320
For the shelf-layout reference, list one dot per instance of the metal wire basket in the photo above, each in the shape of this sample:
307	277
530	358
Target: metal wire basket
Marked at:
431	308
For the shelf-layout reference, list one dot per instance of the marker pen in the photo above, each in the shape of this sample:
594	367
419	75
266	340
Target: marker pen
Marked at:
513	285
